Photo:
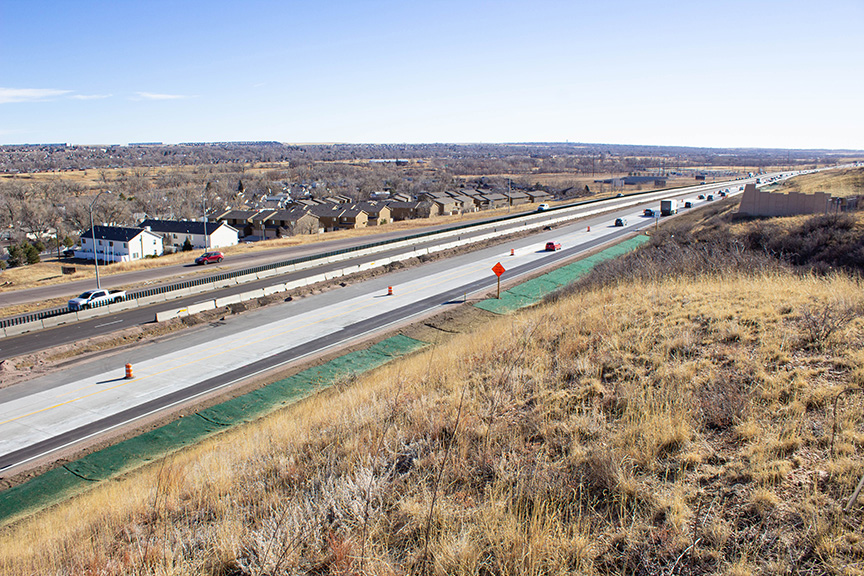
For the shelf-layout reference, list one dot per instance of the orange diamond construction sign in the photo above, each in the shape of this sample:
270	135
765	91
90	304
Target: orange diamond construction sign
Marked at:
498	269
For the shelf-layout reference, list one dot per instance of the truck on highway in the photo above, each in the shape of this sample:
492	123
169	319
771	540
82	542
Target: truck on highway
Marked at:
668	207
93	298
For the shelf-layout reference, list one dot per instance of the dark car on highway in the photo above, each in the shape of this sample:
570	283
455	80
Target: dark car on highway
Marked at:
209	258
620	222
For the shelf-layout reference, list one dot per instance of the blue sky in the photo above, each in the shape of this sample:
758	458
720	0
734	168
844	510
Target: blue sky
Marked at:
751	74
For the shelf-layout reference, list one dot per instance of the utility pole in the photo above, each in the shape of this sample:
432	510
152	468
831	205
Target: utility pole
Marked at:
93	235
205	220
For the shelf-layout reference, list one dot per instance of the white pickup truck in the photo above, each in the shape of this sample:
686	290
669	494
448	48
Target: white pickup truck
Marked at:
93	298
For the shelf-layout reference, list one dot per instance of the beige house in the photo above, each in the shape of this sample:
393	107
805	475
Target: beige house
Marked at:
446	206
291	222
402	210
352	218
378	212
328	215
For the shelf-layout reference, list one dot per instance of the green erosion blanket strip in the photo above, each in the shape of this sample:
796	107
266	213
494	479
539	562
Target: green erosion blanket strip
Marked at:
75	477
534	290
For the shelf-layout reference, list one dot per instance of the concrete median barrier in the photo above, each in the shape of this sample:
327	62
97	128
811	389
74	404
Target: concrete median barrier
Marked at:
58	320
315	279
175	294
275	289
251	295
223	283
305	265
233	299
154	299
294	284
23	328
266	274
170	314
121	306
92	313
201	307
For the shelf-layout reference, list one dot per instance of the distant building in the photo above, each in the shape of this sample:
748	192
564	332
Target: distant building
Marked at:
402	210
378	212
240	220
202	235
538	196
290	222
119	244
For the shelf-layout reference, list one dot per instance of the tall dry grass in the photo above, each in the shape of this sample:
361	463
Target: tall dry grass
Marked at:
840	183
675	425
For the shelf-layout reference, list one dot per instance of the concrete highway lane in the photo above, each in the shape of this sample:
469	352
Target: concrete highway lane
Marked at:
65	407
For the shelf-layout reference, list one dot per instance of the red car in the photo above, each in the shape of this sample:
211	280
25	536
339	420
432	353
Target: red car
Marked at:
552	246
209	258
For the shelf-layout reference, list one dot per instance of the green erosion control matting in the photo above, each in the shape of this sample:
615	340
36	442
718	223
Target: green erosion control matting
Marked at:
535	290
74	477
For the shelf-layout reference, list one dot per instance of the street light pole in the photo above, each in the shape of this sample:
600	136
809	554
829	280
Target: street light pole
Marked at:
205	220
93	234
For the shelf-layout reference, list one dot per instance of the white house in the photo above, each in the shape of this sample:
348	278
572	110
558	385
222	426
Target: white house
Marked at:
117	244
202	235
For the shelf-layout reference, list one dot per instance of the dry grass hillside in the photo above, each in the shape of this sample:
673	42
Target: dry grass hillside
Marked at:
840	183
673	414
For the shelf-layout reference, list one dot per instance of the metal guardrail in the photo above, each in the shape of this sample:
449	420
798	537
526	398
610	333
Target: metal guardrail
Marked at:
144	293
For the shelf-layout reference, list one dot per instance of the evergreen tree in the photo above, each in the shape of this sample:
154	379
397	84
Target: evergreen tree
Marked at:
16	256
32	253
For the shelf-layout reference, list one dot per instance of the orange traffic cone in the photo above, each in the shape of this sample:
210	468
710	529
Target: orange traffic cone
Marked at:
589	228
129	375
389	290
512	252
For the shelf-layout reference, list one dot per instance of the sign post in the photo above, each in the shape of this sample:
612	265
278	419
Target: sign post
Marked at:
498	269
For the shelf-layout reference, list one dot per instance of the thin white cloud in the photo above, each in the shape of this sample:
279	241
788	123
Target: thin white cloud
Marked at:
14	95
152	96
90	96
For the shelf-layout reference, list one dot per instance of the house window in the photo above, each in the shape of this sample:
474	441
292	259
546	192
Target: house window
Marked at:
111	244
124	245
